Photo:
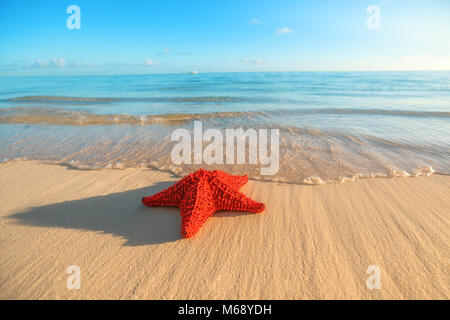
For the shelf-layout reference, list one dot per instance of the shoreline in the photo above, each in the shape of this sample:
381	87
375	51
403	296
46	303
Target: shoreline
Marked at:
423	171
309	243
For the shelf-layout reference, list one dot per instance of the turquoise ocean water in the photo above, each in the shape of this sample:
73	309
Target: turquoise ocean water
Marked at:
334	126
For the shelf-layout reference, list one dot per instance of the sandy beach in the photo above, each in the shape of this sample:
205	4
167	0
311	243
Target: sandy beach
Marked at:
312	242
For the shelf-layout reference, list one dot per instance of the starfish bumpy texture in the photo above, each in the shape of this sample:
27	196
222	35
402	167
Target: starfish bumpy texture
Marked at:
202	193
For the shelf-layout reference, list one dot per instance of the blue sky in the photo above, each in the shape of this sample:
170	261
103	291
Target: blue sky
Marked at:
126	37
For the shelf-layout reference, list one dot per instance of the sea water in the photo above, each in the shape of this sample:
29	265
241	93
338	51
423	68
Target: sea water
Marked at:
333	126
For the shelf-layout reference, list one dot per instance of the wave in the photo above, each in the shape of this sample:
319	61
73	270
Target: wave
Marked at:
82	118
422	171
62	99
51	116
294	110
314	180
381	112
59	99
307	155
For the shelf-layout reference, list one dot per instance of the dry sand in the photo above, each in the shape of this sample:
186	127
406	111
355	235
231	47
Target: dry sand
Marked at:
311	242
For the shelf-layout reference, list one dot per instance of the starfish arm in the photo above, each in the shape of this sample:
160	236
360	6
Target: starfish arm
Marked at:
237	201
235	182
169	197
197	206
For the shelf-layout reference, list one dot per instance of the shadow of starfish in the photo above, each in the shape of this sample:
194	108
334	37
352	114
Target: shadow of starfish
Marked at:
121	214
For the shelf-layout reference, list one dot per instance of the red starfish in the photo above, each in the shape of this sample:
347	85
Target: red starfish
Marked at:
202	193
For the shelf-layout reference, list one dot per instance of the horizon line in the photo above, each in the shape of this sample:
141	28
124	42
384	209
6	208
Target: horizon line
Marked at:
212	72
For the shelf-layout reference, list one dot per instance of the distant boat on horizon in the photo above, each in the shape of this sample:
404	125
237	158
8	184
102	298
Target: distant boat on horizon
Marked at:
194	72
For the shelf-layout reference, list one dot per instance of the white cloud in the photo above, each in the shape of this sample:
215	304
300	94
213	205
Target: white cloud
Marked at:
254	21
40	63
284	30
58	62
150	63
45	63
